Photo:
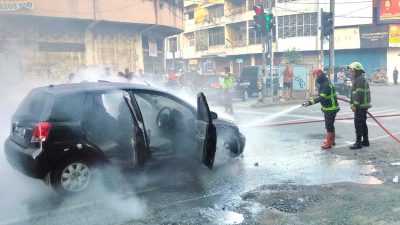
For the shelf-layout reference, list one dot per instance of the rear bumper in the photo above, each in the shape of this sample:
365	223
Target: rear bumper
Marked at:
21	159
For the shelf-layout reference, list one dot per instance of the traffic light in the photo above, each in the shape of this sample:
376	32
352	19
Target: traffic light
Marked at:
259	18
269	22
326	24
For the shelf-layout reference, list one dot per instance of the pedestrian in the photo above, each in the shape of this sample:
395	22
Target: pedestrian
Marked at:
122	77
395	75
360	103
329	105
72	78
340	79
226	86
128	74
287	81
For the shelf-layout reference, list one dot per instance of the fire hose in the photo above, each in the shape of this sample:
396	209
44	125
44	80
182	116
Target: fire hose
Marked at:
342	118
374	118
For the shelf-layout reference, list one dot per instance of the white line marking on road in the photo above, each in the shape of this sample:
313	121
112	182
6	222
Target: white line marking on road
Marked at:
375	138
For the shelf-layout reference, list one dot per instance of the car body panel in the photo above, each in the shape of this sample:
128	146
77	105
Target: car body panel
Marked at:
206	131
69	138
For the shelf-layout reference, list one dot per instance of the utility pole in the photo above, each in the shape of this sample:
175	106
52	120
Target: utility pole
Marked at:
270	37
259	26
331	42
321	54
264	68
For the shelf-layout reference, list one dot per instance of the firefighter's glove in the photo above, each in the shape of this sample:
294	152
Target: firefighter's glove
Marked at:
305	104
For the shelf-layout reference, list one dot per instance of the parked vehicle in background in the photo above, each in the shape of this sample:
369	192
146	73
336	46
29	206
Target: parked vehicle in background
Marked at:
210	86
60	133
253	77
344	88
378	76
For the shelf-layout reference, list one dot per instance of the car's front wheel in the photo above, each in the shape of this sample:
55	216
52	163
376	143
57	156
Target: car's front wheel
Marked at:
71	176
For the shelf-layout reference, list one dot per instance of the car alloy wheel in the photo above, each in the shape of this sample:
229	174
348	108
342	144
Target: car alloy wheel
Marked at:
75	177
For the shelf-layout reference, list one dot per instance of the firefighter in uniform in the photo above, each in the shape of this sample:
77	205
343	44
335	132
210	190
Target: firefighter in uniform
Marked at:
329	105
226	86
360	103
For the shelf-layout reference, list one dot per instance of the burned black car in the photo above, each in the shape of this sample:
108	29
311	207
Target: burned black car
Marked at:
61	132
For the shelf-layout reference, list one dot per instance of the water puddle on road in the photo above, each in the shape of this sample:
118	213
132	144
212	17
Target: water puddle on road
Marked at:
223	216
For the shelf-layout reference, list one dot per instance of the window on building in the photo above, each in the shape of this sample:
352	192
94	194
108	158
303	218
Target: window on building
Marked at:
298	25
160	44
216	36
201	38
254	37
189	15
215	11
190	37
145	42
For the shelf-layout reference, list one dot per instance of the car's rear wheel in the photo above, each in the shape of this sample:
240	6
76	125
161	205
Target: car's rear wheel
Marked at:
71	176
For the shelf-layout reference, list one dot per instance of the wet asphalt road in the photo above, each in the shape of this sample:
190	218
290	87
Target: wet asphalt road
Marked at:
195	195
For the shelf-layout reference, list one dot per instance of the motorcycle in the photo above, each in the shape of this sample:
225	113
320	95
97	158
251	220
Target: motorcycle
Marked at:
345	87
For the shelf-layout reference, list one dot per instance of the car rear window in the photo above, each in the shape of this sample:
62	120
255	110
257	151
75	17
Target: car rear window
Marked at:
68	108
249	73
33	105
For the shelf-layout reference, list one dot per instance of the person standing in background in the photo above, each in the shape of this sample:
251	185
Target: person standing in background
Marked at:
395	75
226	86
287	81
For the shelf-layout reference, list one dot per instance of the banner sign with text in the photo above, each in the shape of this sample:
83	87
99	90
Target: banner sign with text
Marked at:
388	11
394	35
12	5
374	36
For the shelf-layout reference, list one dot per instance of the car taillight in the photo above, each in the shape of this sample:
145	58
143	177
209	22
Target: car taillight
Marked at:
40	132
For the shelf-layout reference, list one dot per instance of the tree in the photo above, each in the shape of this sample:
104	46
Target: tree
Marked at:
293	56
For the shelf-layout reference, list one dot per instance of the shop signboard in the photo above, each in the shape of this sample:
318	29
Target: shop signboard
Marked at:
388	11
12	5
394	35
374	36
347	38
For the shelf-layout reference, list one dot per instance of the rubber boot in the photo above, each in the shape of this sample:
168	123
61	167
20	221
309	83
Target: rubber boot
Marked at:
333	139
356	145
329	139
365	141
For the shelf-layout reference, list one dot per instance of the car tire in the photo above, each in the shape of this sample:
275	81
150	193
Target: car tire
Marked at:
72	176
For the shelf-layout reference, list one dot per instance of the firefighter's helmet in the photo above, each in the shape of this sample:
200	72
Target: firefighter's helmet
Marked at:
317	72
357	66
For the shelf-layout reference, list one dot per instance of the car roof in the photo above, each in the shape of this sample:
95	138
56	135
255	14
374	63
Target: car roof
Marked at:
65	89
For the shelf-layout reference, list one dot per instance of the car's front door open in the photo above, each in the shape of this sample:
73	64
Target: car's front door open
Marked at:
205	131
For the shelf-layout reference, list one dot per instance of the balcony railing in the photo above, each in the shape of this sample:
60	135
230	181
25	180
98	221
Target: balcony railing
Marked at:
254	41
235	10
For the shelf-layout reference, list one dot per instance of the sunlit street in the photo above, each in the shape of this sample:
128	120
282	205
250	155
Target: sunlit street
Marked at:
212	112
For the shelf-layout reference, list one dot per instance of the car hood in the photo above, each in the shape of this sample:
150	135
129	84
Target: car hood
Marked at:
225	121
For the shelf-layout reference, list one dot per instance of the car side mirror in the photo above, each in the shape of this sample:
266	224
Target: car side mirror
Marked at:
214	115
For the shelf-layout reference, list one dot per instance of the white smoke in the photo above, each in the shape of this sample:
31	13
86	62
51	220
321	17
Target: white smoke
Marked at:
19	194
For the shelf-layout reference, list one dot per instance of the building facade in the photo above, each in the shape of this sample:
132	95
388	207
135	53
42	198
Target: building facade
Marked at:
53	38
220	33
